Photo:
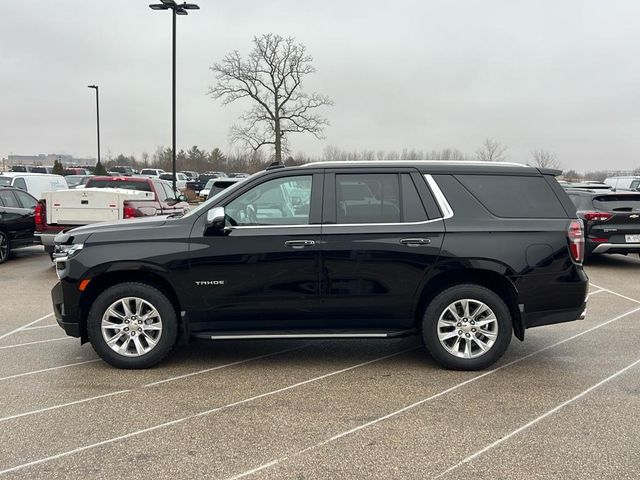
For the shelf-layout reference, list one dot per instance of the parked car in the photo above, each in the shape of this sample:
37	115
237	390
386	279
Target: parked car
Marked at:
21	168
191	175
216	185
121	170
152	172
104	199
629	182
76	171
611	220
77	181
42	169
181	180
202	180
239	175
34	183
16	220
464	254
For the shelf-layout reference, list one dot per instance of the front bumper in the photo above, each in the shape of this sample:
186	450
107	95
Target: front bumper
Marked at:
68	322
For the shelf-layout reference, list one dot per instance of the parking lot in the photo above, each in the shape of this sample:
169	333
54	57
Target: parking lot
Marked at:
563	404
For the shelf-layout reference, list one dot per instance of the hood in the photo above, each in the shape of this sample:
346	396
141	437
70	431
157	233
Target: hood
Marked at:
124	228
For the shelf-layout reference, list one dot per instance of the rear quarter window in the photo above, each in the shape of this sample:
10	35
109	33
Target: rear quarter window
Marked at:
512	196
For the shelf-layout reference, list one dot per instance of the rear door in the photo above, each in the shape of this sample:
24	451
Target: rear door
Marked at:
381	233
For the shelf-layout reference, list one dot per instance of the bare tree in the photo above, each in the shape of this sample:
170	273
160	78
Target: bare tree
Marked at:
544	159
491	151
271	76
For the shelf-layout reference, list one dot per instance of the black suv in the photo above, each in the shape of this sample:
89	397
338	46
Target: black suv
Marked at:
464	254
17	220
611	220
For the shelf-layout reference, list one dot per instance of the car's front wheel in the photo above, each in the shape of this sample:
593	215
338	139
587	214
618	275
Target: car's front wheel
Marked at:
132	325
467	327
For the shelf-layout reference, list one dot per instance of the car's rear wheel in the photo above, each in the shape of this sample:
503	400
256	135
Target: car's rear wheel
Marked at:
5	247
467	327
132	325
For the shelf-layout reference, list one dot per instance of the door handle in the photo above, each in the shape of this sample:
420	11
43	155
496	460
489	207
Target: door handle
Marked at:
299	243
415	242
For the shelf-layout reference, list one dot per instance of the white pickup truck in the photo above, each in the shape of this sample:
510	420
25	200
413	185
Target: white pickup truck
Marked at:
105	199
90	205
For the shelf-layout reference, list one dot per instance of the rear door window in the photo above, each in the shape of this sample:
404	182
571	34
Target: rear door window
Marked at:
368	198
25	199
512	196
412	207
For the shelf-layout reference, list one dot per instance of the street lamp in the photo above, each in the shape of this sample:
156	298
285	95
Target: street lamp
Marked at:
177	9
95	87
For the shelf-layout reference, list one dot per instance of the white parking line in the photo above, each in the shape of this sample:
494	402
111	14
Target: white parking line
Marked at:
17	375
590	293
5	335
153	384
36	342
41	326
201	414
536	420
424	400
616	293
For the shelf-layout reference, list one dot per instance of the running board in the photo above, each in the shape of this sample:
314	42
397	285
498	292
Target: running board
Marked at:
291	334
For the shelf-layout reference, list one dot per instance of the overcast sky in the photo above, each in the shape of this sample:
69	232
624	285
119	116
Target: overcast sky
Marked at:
559	75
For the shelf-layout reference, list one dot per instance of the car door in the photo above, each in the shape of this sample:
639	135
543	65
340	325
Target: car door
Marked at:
382	231
16	221
265	265
27	220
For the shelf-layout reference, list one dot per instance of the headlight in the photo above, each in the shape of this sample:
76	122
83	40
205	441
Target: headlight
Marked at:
65	252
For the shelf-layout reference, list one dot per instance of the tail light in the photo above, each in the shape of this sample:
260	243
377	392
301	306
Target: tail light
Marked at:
595	216
128	211
575	235
40	215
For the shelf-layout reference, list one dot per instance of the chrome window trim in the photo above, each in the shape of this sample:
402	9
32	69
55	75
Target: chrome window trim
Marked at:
441	200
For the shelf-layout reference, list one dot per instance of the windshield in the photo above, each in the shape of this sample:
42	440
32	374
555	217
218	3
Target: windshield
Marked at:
204	206
5	181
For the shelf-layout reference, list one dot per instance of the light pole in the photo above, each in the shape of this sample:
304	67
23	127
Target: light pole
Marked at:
176	9
95	87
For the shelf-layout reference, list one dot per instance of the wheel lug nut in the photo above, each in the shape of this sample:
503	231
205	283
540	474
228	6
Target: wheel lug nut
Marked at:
126	329
126	321
133	334
467	335
459	332
473	329
459	324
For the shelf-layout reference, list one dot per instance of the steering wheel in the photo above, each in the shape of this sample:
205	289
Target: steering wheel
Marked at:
250	210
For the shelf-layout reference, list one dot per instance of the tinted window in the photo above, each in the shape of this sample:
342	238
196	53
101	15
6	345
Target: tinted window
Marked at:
514	196
281	201
146	171
8	199
162	194
617	203
26	200
127	185
412	207
368	198
20	183
169	192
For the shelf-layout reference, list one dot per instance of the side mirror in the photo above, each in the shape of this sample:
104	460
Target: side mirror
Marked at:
183	198
216	217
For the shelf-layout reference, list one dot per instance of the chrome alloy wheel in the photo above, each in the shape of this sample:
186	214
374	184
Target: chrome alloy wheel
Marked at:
131	326
4	248
467	328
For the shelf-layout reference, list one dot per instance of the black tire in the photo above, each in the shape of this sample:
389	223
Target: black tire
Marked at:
437	308
5	247
153	296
